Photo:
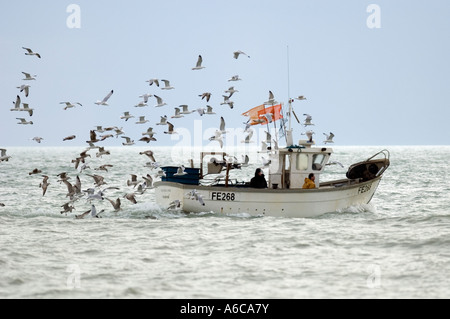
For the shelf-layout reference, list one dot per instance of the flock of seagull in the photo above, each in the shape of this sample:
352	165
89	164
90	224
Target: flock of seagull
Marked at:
98	192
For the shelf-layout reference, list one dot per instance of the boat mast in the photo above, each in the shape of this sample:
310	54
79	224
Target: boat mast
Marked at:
289	90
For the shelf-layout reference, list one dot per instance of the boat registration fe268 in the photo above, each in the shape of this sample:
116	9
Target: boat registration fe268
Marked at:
223	196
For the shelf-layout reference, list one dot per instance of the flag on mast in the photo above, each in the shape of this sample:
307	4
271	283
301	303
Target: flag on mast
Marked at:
257	117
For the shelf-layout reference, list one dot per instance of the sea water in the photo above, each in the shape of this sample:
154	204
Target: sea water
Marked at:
395	247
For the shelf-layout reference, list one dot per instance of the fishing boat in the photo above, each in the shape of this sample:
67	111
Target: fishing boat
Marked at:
288	167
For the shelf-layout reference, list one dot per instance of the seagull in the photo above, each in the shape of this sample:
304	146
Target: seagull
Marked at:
149	180
69	138
167	85
275	145
104	168
199	64
264	146
226	100
37	139
98	180
201	111
104	137
329	138
149	154
25	88
126	116
271	100
119	131
206	96
63	177
100	129
171	129
26	108
142	120
133	181
149	132
3	156
163	121
17	104
131	198
218	138
335	163
28	77
105	100
309	134
24	122
146	97
301	98
141	188
222	126
35	172
308	120
231	91
116	204
160	101
93	137
235	78
177	114
129	142
148	139
153	81
152	166
92	146
186	110
84	167
2	205
209	110
70	105
101	152
141	104
44	185
266	163
180	171
175	205
67	208
93	213
30	52
238	53
248	138
161	174
194	195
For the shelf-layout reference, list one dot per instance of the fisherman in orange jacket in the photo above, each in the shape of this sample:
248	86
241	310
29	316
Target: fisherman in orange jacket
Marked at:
309	182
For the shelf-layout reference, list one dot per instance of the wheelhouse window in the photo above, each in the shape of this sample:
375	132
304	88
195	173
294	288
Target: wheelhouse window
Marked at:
318	162
302	162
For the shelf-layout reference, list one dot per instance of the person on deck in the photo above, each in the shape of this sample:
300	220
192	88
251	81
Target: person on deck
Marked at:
309	182
259	181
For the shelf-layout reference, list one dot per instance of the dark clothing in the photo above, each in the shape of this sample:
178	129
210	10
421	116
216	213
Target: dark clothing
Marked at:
258	182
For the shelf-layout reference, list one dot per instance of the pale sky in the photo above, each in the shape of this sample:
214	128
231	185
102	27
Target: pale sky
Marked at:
381	86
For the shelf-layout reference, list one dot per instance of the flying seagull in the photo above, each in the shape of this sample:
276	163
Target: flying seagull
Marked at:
159	101
153	81
206	96
126	116
17	104
30	52
199	64
3	156
163	121
28	77
238	53
142	120
25	88
329	138
167	85
235	78
171	130
24	122
70	105
105	100
177	114
44	185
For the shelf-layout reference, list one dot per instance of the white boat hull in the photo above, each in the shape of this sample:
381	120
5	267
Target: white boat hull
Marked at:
296	203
